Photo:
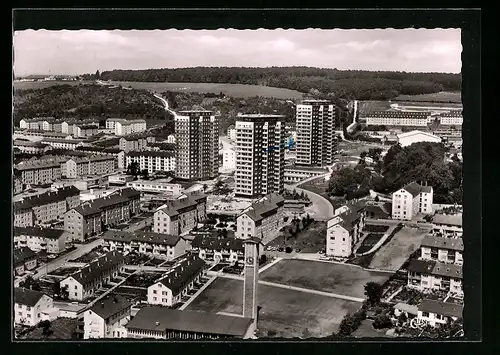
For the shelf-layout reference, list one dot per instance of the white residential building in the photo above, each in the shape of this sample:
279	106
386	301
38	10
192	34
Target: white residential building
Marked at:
315	127
410	200
122	128
152	161
215	249
62	143
445	250
162	246
344	230
53	241
397	118
180	216
433	275
448	225
297	173
228	159
436	313
260	155
171	139
231	133
84	283
106	318
175	284
408	138
453	118
86	130
31	307
163	186
263	219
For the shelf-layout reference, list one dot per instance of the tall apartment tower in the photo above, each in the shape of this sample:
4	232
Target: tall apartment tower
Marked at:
197	145
260	155
315	126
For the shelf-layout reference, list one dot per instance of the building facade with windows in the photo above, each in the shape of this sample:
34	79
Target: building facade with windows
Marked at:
434	275
436	313
86	130
31	307
163	186
53	241
344	230
179	216
452	118
260	155
133	143
221	249
175	284
263	219
398	118
315	127
62	143
85	282
445	250
448	226
125	127
25	259
37	172
197	145
31	147
106	318
94	165
412	199
152	160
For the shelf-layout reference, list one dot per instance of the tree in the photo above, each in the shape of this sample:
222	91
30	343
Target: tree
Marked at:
373	291
46	327
133	168
30	283
382	321
145	174
97	75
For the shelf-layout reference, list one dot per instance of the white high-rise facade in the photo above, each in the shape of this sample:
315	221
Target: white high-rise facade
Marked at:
260	155
315	127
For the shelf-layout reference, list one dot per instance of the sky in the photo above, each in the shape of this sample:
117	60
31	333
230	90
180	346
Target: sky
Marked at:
85	51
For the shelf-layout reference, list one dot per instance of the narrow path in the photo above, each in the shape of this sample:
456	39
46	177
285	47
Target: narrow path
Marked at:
274	262
193	297
379	243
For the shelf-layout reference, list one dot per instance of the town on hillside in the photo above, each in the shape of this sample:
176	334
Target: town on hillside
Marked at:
210	218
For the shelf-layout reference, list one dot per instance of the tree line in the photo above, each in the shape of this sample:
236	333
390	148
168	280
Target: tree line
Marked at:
346	84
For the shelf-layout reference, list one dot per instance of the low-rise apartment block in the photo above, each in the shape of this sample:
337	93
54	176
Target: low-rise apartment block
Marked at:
62	143
425	274
31	307
94	165
31	147
84	283
448	225
25	259
106	318
219	249
163	186
85	130
133	143
176	283
53	241
344	230
412	199
436	313
297	173
262	219
39	123
231	133
37	172
180	216
445	250
125	127
398	118
162	246
45	207
152	161
452	118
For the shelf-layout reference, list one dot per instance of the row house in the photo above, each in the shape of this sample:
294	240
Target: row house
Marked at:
452	118
262	219
180	216
449	226
85	282
38	123
31	147
85	130
297	173
162	246
125	127
152	160
90	218
397	118
344	230
133	143
62	143
411	200
436	313
115	152
163	186
31	307
70	126
157	322
46	207
25	259
41	171
434	275
94	165
176	283
53	241
106	318
445	250
220	249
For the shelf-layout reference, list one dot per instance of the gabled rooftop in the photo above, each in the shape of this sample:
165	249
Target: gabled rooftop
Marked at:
96	268
39	232
142	237
264	208
182	273
47	197
109	306
27	297
442	308
443	243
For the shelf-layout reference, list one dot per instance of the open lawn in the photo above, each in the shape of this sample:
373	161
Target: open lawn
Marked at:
328	277
392	255
365	107
309	240
444	97
366	330
284	313
369	241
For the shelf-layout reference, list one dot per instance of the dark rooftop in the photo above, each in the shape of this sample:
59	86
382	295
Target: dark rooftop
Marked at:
94	269
110	306
39	232
168	154
22	254
162	319
183	273
47	197
447	270
443	243
442	308
141	236
264	208
26	296
421	266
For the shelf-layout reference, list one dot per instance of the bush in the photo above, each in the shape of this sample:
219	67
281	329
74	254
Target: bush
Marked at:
382	322
288	250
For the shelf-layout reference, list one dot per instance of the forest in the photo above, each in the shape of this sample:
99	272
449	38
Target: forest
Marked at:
422	161
82	101
342	84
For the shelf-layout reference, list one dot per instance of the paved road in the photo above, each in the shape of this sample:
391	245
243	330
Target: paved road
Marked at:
43	270
165	103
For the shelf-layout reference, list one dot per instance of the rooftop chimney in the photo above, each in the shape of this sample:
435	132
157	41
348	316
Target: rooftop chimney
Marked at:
157	323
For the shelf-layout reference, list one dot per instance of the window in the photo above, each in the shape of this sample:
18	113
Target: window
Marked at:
76	287
154	298
75	294
28	308
154	291
29	315
425	314
20	313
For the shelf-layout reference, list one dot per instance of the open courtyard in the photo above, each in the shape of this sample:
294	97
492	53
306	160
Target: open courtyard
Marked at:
393	255
341	279
284	313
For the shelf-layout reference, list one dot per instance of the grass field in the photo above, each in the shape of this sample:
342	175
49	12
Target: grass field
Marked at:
392	255
310	240
366	330
328	277
444	97
370	240
284	313
235	90
365	107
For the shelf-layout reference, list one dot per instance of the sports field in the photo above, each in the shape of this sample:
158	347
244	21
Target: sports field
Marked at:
284	313
393	255
235	90
341	279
